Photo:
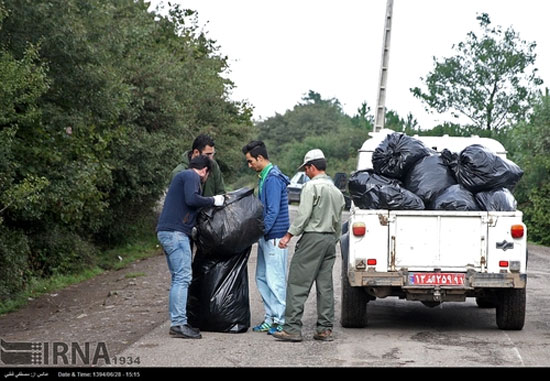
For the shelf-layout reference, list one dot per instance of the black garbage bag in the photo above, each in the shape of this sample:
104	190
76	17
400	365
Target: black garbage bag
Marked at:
428	178
364	187
397	154
498	200
456	197
369	190
230	229
395	198
218	298
479	169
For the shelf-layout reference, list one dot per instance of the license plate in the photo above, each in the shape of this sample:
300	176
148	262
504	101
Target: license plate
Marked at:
437	279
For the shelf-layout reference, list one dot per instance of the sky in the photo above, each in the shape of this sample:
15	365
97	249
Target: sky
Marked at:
278	50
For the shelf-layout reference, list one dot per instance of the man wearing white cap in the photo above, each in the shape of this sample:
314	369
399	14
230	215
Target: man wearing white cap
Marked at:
319	220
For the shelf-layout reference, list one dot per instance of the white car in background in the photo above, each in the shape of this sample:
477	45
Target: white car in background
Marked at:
294	189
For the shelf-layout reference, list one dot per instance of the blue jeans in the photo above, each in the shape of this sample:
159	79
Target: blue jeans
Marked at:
271	279
178	255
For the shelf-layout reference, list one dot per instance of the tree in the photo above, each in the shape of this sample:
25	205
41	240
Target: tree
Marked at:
313	116
22	81
364	118
530	144
316	123
409	125
98	100
488	80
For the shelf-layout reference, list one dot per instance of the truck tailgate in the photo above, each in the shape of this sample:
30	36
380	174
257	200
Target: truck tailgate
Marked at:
445	240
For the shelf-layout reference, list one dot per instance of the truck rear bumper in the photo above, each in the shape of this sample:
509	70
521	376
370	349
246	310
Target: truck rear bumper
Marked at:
473	280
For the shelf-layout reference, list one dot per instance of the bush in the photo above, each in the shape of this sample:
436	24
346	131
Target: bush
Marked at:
537	215
59	251
529	144
14	252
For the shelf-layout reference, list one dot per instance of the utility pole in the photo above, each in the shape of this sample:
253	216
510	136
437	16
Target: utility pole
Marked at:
381	102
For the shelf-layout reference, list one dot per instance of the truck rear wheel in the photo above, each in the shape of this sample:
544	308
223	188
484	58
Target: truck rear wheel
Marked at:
511	309
354	303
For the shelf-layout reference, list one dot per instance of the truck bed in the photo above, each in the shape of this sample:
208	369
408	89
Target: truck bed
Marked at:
427	240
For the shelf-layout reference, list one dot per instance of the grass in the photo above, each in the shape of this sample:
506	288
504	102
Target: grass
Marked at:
134	275
121	257
114	259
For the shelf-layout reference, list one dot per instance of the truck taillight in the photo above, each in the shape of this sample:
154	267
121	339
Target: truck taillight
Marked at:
359	229
503	263
371	262
517	231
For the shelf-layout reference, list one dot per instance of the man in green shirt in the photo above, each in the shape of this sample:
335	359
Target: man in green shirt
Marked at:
204	145
319	220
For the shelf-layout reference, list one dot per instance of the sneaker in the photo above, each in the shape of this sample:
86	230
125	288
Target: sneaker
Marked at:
325	335
185	332
285	336
263	327
275	328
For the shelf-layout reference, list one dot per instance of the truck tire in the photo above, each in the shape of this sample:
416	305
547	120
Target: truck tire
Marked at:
354	299
511	309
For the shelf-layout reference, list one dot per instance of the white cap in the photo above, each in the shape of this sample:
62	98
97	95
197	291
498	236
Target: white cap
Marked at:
314	154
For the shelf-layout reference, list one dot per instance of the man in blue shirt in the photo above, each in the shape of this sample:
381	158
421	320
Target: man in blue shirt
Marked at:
179	213
272	260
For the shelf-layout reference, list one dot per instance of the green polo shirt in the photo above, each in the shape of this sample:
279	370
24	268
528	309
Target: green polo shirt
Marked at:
263	175
320	210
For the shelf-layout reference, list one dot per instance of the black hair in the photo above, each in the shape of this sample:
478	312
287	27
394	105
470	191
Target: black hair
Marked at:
256	148
200	161
202	141
320	164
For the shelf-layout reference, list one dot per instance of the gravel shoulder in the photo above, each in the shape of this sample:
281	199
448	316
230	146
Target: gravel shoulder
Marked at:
115	308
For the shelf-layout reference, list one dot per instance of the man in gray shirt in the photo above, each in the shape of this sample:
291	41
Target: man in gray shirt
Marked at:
319	220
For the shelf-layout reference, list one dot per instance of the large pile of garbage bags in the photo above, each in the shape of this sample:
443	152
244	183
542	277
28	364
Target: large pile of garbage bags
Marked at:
409	176
218	297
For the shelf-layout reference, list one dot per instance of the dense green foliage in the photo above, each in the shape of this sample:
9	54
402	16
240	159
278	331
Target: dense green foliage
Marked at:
487	81
315	123
529	144
98	99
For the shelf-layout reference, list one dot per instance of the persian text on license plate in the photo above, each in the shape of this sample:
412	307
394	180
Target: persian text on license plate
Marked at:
439	279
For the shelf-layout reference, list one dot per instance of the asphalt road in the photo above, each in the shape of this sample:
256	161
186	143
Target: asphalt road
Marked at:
399	334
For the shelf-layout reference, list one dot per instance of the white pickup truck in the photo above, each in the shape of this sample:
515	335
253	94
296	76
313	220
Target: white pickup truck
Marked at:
433	256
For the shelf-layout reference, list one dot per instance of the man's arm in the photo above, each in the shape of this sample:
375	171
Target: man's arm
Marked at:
272	189
192	192
302	218
304	210
283	243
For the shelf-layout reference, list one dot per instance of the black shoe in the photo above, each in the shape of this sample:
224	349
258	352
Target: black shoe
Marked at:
185	331
193	328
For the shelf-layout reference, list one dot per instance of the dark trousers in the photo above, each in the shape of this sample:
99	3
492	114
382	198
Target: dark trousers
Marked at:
313	261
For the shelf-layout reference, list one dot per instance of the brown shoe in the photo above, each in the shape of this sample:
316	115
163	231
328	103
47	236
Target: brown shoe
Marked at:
325	335
285	336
